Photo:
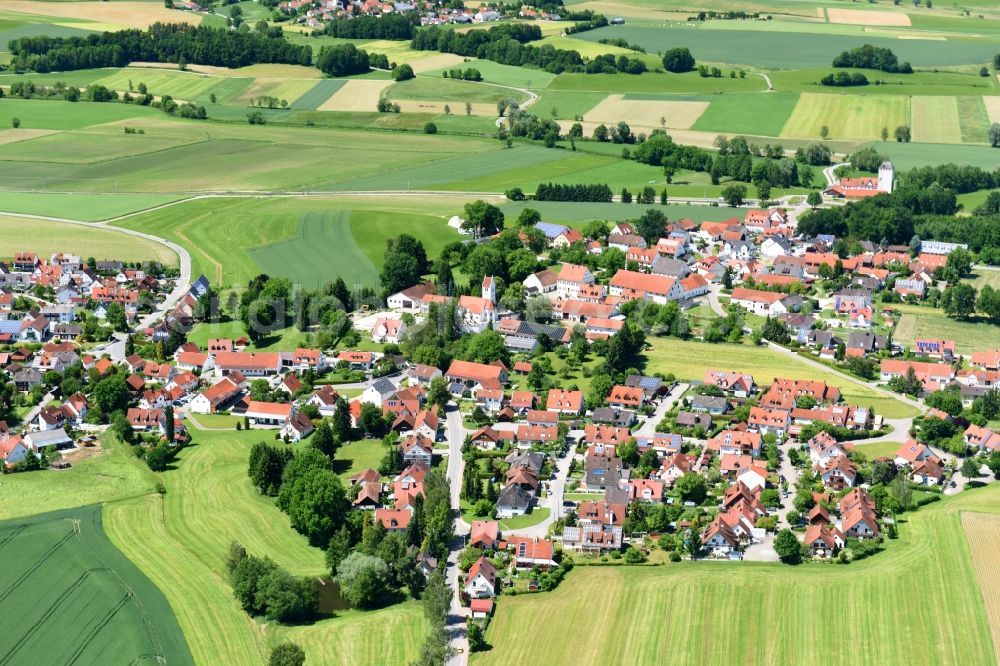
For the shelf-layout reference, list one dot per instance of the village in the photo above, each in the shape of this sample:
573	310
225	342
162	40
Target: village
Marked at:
714	464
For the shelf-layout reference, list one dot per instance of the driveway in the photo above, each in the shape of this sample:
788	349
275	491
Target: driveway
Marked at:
666	404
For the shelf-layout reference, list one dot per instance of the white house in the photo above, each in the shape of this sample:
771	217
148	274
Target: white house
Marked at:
388	330
571	278
479	312
482	580
380	390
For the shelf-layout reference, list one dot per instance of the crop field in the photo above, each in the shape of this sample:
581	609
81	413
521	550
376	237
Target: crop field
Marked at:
92	146
289	90
657	82
187	86
992	104
690	359
323	248
867	17
935	119
73	598
47	237
983	532
228	237
115	15
435	62
86	207
737	44
237	157
319	93
57	115
576	214
909	155
567	103
748	114
973	120
718	612
356	95
920	82
922	322
846	116
645	113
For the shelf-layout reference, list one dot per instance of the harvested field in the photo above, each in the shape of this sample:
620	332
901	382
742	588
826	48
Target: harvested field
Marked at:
15	135
440	61
935	119
457	108
356	95
646	113
983	532
288	89
128	14
992	103
862	17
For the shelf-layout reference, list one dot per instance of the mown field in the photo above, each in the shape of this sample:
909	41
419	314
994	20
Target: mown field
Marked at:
931	323
846	116
919	603
983	533
689	360
309	240
46	238
71	597
180	539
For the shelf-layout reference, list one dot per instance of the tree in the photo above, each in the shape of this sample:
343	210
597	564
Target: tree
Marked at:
363	579
402	72
168	418
814	199
993	134
483	218
692	488
678	59
110	394
159	458
316	503
902	134
287	654
970	468
734	194
286	598
787	546
323	440
763	191
430	128
399	272
959	300
15	122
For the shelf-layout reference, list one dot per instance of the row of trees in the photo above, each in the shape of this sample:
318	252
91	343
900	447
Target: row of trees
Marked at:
347	59
844	79
162	42
389	26
563	192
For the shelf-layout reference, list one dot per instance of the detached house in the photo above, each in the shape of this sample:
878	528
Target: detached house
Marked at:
481	582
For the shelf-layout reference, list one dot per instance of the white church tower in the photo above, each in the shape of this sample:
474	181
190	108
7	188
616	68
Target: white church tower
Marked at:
489	289
886	176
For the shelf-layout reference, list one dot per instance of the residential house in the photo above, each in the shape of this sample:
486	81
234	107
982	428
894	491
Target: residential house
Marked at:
217	397
740	385
395	521
417	449
765	420
481	581
565	402
268	414
484	534
571	279
378	392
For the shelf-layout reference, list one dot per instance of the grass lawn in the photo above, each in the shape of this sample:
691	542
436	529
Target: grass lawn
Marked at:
909	155
917	83
112	475
575	213
973	119
982	277
86	207
180	539
689	359
716	612
537	515
78	598
881	449
508	75
46	237
935	119
354	457
286	339
925	322
54	114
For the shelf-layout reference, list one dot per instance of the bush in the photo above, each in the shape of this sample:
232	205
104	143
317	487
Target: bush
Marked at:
402	72
678	59
430	128
634	556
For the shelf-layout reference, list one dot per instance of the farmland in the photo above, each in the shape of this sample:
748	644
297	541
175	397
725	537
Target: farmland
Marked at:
46	237
847	117
689	360
983	531
86	207
231	240
78	599
724	605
